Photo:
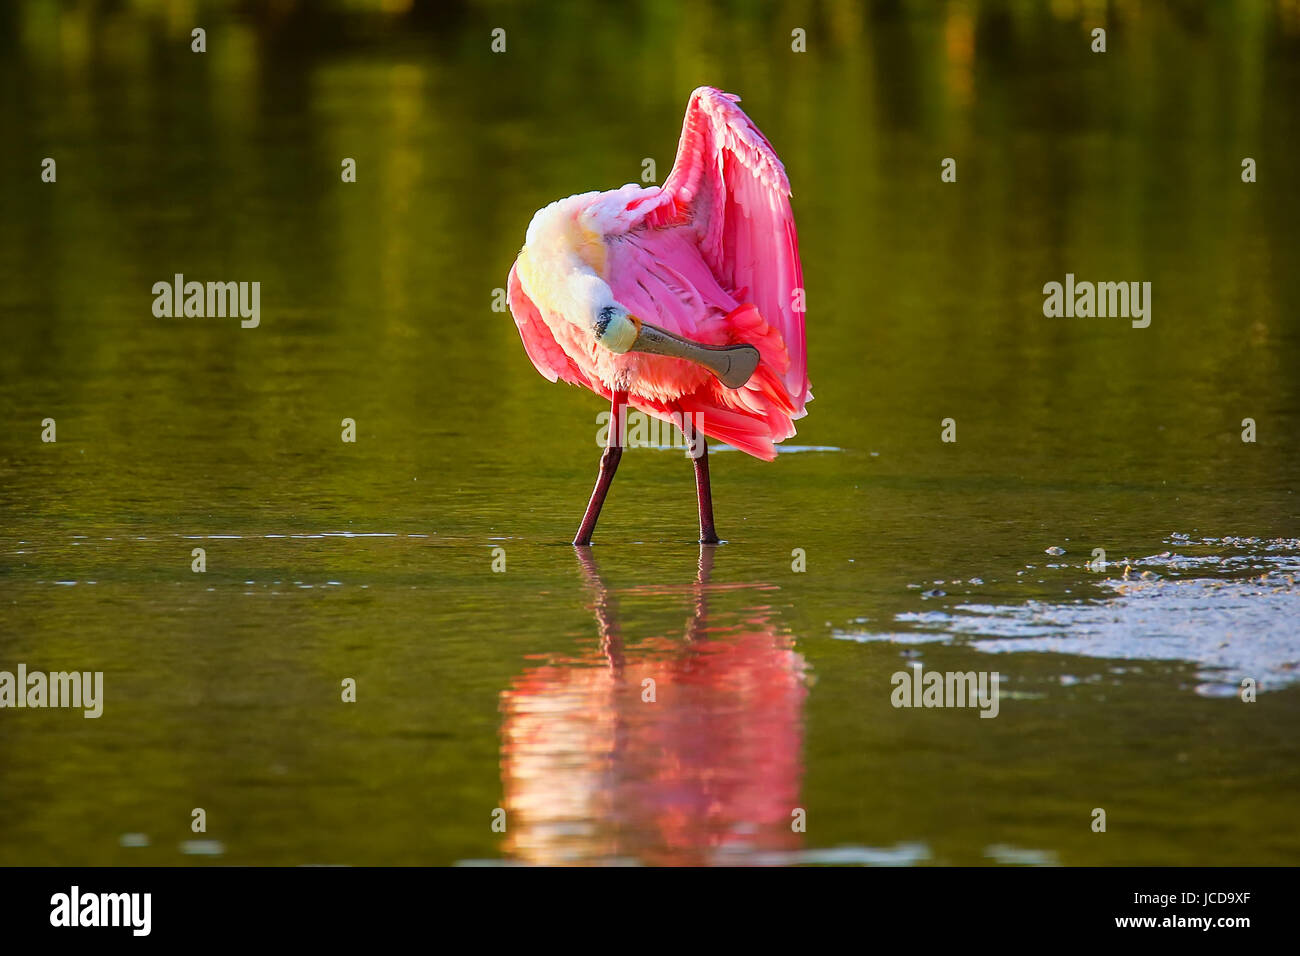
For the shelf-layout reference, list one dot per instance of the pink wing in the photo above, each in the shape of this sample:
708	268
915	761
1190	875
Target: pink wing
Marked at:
729	184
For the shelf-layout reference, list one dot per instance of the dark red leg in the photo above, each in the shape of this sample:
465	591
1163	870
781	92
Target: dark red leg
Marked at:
608	465
708	534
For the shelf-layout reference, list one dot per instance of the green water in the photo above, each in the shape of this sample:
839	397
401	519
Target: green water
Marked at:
523	690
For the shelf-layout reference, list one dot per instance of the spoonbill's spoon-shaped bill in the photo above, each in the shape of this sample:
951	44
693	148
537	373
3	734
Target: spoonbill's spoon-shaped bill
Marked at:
732	364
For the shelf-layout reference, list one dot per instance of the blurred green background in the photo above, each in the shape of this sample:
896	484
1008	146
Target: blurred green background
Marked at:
520	690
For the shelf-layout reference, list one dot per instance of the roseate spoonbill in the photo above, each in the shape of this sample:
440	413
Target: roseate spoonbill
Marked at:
685	301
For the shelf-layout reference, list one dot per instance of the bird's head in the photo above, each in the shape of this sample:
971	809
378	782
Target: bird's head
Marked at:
616	328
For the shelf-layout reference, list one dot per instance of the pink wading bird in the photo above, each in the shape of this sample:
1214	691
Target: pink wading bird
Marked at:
685	300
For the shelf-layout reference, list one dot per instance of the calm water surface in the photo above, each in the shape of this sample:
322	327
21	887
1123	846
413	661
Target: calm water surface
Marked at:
524	690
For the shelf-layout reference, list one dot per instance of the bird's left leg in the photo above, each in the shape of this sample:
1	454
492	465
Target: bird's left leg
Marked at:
703	491
608	465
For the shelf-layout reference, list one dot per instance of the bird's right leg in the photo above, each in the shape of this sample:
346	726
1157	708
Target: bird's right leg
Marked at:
608	465
704	491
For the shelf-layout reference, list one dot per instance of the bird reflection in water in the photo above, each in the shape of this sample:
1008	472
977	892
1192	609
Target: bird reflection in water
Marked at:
708	772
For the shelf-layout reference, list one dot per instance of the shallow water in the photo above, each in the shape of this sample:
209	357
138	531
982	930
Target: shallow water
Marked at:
1233	627
523	690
